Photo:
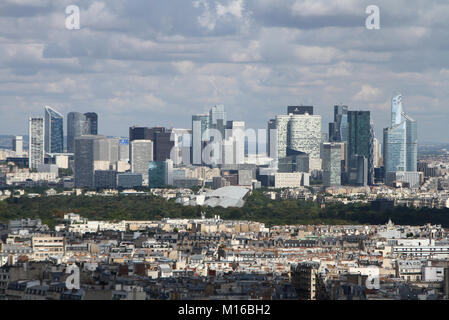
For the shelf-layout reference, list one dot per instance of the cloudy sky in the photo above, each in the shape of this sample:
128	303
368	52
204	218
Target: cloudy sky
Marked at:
147	62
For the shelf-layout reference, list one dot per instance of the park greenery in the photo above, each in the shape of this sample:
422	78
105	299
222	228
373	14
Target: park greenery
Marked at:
258	207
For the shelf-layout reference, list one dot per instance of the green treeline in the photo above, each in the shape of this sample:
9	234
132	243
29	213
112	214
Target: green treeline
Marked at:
257	208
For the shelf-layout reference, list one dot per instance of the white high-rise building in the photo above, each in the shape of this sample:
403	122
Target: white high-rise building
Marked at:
17	145
234	143
141	153
299	132
36	145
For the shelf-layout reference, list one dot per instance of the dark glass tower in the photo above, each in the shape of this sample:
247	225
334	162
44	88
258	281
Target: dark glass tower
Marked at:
360	141
92	117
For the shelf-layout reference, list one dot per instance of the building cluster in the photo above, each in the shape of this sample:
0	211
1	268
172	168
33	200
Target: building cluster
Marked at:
217	259
217	153
293	151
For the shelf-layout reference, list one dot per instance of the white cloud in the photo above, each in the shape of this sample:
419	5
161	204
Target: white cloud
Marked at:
367	93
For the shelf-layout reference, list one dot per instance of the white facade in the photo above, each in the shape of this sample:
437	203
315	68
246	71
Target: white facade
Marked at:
141	153
17	145
36	143
300	132
287	180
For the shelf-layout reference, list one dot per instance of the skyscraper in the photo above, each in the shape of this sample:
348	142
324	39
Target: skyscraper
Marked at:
160	173
234	143
360	142
141	153
377	153
36	152
272	139
217	119
140	133
297	131
92	117
338	130
123	150
87	150
17	145
77	125
200	123
163	145
331	164
304	134
54	131
400	140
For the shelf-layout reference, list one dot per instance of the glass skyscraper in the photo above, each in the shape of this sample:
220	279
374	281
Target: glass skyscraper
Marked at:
400	140
217	119
157	174
87	151
54	131
332	164
92	117
360	141
200	123
338	130
77	125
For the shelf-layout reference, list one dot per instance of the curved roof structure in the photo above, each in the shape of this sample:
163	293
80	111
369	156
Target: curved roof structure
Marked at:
226	197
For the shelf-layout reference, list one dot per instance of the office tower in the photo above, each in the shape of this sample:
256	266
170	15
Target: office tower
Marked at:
88	149
272	139
300	110
377	153
92	118
54	132
358	171
304	134
297	132
140	133
360	144
163	145
36	136
331	164
123	150
338	130
400	141
200	124
113	149
77	125
234	143
281	122
158	174
169	172
141	153
17	145
182	145
412	144
217	119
